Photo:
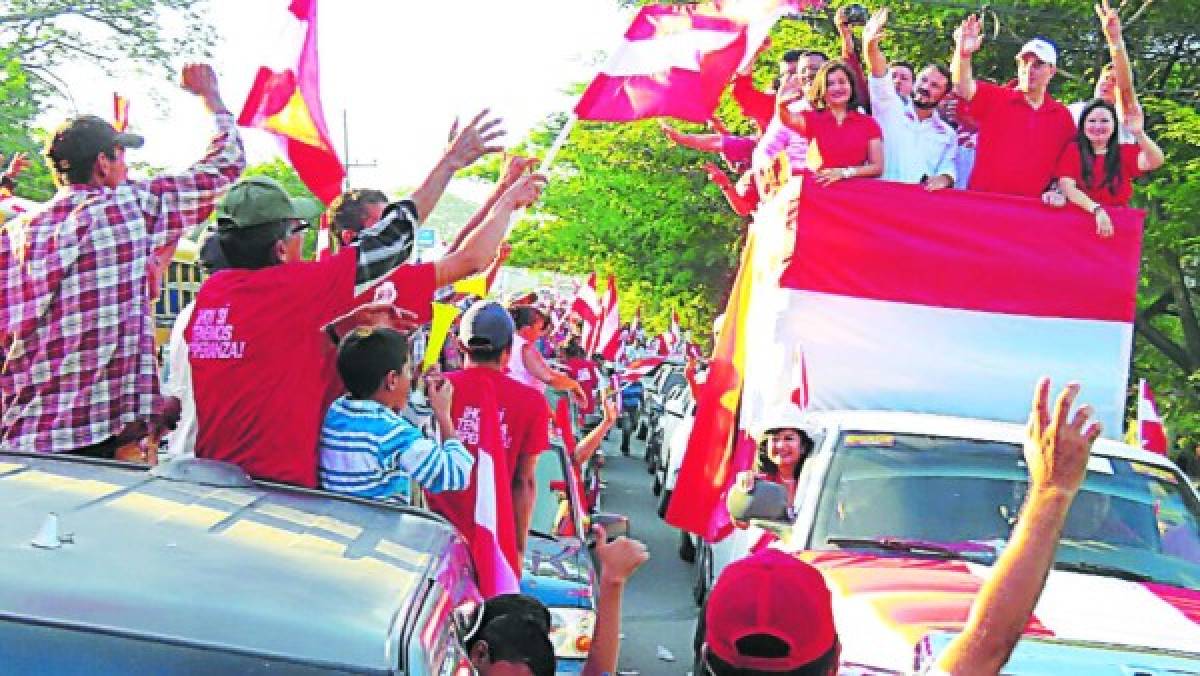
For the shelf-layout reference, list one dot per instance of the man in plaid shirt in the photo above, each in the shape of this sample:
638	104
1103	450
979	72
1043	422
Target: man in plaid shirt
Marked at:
76	322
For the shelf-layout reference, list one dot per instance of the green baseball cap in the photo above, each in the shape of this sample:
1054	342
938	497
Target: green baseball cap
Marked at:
260	199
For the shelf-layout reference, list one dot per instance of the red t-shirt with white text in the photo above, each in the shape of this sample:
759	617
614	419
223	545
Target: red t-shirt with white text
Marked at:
263	371
584	371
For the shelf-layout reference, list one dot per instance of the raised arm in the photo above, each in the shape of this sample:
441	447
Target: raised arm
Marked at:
1056	453
538	368
514	168
1150	156
479	247
968	38
437	467
791	90
1110	25
587	446
872	36
618	560
466	145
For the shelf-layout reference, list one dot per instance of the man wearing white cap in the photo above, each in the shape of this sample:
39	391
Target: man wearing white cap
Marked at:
1022	131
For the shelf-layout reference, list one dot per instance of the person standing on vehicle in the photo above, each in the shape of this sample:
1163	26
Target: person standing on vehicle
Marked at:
491	408
80	374
1022	131
918	145
262	334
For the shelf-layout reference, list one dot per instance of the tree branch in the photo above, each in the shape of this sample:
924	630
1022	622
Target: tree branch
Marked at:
1187	312
1165	345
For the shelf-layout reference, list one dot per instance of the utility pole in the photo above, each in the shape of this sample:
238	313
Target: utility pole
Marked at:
347	165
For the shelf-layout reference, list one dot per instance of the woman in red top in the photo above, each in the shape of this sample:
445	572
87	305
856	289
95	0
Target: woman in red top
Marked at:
845	142
1097	170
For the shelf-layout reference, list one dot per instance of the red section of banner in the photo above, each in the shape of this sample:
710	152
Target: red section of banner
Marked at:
965	250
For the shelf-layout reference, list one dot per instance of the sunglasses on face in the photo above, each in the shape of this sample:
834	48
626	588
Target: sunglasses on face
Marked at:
296	227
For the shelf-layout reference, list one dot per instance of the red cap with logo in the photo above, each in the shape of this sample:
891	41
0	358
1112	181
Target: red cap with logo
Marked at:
775	594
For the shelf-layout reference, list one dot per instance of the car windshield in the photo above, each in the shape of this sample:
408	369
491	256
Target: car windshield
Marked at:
553	512
925	495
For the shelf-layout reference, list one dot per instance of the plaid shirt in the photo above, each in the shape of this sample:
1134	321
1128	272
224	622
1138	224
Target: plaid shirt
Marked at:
76	322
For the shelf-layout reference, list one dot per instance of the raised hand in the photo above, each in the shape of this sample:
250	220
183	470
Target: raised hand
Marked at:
474	140
441	393
1134	120
1110	22
524	192
876	27
1056	450
968	37
200	79
516	166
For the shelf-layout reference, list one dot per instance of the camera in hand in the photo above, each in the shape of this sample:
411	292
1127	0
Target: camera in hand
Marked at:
854	14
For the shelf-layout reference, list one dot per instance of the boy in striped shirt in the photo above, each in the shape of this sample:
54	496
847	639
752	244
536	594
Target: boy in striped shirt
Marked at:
367	449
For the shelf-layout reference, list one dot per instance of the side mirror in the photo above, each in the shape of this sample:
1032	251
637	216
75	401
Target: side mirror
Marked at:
615	525
765	505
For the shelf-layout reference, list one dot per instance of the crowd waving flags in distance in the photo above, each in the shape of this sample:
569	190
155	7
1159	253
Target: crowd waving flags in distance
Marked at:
285	100
608	338
675	60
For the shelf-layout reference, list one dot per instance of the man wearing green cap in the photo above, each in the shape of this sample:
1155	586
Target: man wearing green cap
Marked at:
261	338
80	374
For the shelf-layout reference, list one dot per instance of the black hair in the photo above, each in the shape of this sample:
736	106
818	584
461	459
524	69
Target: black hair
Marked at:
768	466
760	645
251	248
78	170
793	55
506	604
905	64
519	638
484	355
1112	156
525	315
366	355
820	84
349	209
573	350
816	52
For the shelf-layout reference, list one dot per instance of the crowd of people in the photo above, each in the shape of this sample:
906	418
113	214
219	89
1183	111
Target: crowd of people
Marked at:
299	371
939	126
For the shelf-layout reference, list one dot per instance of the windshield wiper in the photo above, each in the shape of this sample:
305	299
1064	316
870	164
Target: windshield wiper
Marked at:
543	535
968	550
1103	570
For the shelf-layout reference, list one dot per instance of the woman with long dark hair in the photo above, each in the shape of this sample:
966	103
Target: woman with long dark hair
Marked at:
845	142
1097	170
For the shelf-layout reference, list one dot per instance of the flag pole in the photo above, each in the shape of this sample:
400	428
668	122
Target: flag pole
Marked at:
559	142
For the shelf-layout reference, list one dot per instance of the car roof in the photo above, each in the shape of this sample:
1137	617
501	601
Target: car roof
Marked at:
255	568
901	422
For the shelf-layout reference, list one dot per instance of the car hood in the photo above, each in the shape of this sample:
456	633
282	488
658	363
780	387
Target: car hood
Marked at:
558	572
892	602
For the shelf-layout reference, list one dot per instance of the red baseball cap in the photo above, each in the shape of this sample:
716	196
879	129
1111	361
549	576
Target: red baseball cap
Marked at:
775	594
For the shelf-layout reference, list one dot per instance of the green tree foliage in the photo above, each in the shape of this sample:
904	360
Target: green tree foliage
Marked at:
624	201
37	36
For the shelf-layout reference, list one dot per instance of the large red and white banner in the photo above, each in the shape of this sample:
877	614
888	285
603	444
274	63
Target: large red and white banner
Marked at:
675	60
952	303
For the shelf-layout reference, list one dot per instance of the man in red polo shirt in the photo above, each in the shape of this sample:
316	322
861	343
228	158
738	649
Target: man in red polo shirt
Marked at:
1022	131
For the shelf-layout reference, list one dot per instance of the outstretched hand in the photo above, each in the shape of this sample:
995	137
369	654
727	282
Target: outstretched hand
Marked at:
1110	22
524	192
474	140
1056	450
200	79
876	27
968	37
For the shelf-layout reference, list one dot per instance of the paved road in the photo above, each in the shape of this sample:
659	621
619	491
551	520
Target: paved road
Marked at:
658	608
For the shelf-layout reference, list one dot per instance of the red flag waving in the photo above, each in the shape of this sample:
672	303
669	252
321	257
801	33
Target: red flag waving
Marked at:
709	464
608	339
287	103
1151	431
675	60
120	112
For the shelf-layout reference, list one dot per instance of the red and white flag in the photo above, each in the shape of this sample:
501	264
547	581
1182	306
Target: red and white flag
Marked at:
675	60
955	304
286	101
608	339
587	305
637	369
1152	434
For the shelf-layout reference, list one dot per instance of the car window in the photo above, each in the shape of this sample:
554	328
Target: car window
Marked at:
1128	515
553	513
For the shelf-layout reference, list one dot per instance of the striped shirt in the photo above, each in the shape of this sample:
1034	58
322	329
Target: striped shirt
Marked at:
369	451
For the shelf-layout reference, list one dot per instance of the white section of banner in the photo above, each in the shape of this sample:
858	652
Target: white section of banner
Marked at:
658	55
866	354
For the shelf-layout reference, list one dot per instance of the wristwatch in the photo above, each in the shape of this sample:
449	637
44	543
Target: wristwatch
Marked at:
848	172
1096	208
